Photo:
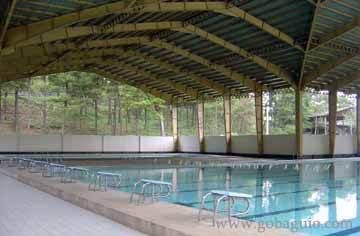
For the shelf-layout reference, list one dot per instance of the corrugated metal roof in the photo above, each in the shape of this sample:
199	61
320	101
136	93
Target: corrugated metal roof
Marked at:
329	59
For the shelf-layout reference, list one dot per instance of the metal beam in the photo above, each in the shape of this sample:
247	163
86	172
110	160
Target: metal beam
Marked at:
244	80
267	65
201	126
25	32
358	122
337	33
332	119
325	68
80	31
166	97
312	2
5	24
259	120
164	65
227	122
308	44
178	87
62	69
262	25
299	122
175	128
123	53
156	93
47	49
355	76
71	32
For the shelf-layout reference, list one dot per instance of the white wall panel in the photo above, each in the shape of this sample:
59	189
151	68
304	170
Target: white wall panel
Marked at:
8	143
121	143
156	144
189	144
315	144
82	143
40	143
215	144
345	144
244	144
279	144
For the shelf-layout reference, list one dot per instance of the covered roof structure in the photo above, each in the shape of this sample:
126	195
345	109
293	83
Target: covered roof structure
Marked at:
183	50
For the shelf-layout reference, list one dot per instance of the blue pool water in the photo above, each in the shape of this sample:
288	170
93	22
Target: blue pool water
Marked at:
320	193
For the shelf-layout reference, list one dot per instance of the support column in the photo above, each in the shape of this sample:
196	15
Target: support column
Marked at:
200	119
227	122
228	178
174	179
259	120
175	128
358	122
200	183
332	119
299	122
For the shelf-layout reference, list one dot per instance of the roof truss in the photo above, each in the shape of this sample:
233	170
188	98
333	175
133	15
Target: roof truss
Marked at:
21	33
337	33
70	32
5	24
325	68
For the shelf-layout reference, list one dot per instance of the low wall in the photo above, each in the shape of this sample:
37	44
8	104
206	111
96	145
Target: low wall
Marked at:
8	143
156	144
85	143
121	143
215	144
319	144
314	145
40	143
345	144
244	144
280	144
189	144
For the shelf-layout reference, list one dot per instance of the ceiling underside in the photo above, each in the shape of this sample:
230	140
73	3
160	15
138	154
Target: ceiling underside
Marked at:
181	51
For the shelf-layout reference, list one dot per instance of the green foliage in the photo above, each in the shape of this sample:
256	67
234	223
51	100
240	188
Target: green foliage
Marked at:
83	103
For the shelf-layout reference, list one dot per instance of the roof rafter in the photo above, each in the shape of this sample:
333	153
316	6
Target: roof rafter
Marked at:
70	32
325	68
257	22
67	68
120	52
5	24
137	70
47	49
337	33
267	65
346	81
308	45
167	97
21	33
244	80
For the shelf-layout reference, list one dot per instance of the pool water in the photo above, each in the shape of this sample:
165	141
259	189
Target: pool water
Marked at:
321	193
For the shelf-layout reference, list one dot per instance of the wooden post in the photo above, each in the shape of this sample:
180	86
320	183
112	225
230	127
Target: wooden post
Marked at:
259	120
200	119
175	127
332	119
299	122
227	122
358	121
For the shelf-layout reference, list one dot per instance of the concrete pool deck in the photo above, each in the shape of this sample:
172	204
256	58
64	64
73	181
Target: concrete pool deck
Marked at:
25	211
158	219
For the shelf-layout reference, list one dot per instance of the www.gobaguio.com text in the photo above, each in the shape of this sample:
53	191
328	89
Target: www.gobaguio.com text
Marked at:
293	226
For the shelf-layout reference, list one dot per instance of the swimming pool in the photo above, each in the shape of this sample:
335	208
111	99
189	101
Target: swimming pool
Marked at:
312	193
